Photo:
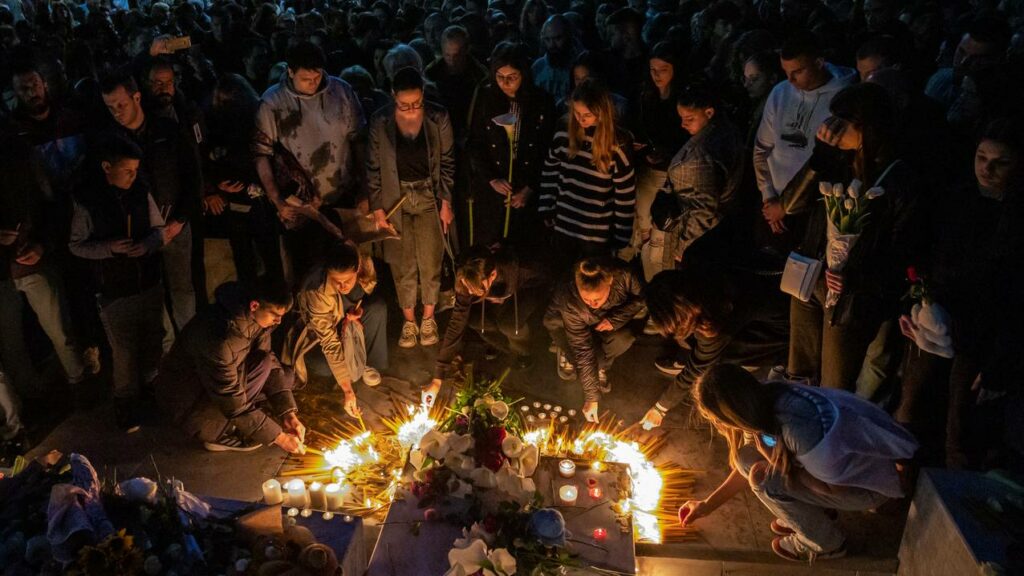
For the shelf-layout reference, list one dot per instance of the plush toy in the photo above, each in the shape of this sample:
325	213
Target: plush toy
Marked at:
932	333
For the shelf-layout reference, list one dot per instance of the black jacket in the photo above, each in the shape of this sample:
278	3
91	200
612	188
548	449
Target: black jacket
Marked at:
514	277
624	301
208	360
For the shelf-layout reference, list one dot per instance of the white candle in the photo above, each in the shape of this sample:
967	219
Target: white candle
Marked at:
557	408
567	468
297	496
334	496
547	406
524	408
317	498
272	492
536	404
568	495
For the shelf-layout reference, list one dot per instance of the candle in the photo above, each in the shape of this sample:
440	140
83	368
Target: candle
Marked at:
293	512
536	404
557	408
542	415
272	492
567	468
568	494
563	419
572	412
334	496
595	492
547	406
317	497
328	515
297	496
591	482
530	418
337	474
524	408
600	534
597	466
347	518
306	513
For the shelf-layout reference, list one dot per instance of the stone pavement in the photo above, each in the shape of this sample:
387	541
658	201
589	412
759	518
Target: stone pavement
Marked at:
735	540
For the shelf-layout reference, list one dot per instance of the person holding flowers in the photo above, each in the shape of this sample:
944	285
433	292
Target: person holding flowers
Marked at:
962	360
867	230
510	126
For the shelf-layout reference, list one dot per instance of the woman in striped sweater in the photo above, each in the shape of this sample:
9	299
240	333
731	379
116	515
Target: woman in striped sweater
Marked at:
587	186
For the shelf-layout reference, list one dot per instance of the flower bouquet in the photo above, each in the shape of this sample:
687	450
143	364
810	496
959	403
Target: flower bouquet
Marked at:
929	322
846	213
508	122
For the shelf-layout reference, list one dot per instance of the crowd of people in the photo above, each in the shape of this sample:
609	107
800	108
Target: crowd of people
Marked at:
570	164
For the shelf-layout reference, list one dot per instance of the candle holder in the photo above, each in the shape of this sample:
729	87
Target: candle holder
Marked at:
567	468
334	496
317	496
567	494
600	534
297	495
595	492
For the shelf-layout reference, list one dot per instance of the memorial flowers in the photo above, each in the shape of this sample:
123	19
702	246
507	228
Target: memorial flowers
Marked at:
846	213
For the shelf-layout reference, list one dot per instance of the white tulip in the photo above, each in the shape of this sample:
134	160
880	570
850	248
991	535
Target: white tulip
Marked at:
825	188
854	189
848	203
503	562
837	190
874	193
483	478
470	558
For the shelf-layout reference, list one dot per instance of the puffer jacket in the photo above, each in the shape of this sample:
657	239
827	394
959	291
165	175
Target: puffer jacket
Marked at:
623	303
209	359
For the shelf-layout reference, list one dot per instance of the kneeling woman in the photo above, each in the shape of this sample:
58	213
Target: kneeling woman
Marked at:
813	449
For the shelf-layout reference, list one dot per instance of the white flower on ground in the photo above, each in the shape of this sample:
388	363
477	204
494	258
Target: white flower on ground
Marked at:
416	458
508	481
512	446
459	443
469	559
435	444
477	532
462	489
874	193
528	461
502	561
499	410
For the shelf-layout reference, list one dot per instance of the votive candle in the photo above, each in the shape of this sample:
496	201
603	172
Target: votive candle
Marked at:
334	496
317	496
600	534
567	494
595	492
297	496
547	406
567	468
272	492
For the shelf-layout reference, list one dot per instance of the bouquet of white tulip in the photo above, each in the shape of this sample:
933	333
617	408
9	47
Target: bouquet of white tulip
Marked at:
847	212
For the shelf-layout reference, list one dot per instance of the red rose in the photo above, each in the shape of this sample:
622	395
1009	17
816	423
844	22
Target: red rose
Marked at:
493	460
491	524
418	489
495	436
912	275
431	514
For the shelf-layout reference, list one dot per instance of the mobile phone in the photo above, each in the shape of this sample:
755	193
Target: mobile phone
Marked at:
179	43
768	441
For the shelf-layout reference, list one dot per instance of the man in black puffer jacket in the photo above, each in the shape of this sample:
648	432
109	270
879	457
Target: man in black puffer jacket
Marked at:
222	367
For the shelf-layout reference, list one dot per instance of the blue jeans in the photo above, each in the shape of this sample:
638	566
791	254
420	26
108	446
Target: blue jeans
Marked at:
802	509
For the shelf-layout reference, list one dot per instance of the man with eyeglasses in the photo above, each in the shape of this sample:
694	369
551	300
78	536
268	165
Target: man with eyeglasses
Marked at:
551	72
411	161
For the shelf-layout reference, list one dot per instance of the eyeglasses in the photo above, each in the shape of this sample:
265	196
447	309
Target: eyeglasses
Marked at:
508	78
410	107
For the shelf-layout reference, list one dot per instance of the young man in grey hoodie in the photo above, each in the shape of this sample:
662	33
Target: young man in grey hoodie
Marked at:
307	145
796	107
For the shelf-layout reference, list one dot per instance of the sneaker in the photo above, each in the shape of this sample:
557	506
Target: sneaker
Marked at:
640	314
371	377
650	329
602	381
230	442
428	332
126	416
792	548
776	374
91	360
671	366
780	528
566	371
409	333
523	362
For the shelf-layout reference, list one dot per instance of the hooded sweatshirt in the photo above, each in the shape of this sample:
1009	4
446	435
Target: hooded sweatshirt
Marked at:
785	138
317	129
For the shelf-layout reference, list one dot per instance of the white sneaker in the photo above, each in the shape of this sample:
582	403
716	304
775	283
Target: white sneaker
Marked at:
409	333
371	377
428	332
650	329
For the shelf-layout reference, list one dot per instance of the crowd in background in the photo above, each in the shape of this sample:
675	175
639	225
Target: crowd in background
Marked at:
664	157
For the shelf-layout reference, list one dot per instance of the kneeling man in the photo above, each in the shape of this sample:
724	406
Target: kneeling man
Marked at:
221	369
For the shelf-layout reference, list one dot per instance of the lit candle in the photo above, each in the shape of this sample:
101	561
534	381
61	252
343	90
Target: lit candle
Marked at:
568	494
557	408
597	466
542	415
317	497
328	515
297	496
306	513
547	406
293	512
536	404
347	518
600	534
567	468
572	412
337	474
595	492
530	418
272	492
524	408
563	419
591	482
334	496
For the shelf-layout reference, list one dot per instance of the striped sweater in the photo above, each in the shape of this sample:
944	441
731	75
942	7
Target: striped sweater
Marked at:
584	203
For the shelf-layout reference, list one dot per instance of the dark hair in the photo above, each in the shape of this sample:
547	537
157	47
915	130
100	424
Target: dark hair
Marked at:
23	65
116	148
990	30
767	61
272	291
407	78
511	54
160	64
1006	131
341	257
695	299
697	95
238	91
625	17
802	45
870	108
727	11
477	264
455	33
305	55
120	79
592	273
883	47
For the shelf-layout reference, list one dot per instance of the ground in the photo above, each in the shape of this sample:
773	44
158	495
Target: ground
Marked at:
735	540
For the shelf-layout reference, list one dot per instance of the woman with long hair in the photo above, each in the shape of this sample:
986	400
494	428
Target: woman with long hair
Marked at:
588	189
803	451
829	343
509	129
